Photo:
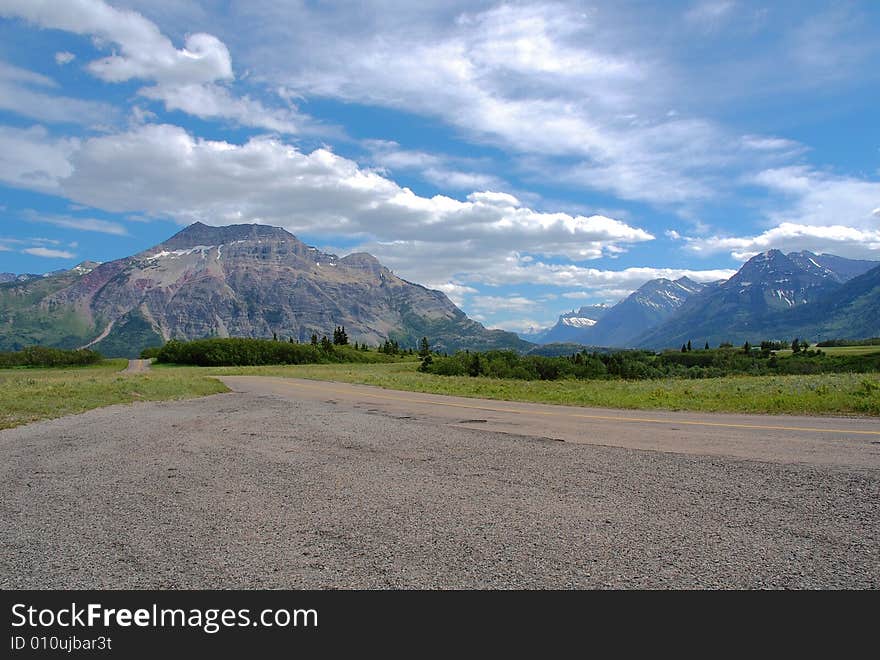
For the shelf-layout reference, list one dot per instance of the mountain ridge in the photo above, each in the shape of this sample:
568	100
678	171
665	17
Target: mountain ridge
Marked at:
235	280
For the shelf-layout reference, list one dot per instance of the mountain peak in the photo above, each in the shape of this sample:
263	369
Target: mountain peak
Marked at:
199	233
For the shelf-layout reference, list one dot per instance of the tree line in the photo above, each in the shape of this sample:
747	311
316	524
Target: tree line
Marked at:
642	365
41	356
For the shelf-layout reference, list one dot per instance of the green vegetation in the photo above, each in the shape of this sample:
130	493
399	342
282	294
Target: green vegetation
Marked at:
643	365
24	321
873	341
825	394
250	352
40	356
130	334
28	395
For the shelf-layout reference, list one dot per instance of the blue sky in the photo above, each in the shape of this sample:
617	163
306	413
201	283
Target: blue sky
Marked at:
525	158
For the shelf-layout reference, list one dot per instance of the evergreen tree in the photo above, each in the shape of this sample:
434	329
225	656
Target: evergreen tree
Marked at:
314	339
707	346
326	344
689	345
684	348
424	348
747	348
475	368
795	345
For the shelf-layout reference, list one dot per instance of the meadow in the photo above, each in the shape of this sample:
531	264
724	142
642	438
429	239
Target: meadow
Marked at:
815	394
28	394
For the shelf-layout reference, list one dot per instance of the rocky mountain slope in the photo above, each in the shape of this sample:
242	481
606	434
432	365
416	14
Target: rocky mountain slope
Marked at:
572	325
240	280
773	296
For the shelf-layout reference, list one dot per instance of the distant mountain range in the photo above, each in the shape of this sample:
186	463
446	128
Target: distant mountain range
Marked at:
240	280
773	296
778	296
261	281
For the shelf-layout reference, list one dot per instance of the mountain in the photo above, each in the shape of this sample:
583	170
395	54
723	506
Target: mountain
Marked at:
647	307
850	311
836	268
760	300
571	325
239	280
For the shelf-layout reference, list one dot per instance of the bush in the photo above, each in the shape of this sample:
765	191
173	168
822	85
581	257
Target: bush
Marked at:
643	365
239	352
41	356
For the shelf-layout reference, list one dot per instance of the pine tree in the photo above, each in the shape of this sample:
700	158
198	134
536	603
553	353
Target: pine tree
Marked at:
707	346
684	348
424	347
314	339
689	345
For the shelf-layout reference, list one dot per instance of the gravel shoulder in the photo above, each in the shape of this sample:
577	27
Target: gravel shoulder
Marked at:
249	490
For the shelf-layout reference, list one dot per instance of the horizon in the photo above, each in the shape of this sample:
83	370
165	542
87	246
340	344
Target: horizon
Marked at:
526	160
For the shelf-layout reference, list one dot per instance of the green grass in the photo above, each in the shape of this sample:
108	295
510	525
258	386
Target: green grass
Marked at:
28	395
823	394
847	350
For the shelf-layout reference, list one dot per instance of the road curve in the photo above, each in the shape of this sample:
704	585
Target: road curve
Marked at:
841	441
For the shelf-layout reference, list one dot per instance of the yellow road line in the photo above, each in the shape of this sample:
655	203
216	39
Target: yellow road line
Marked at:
647	420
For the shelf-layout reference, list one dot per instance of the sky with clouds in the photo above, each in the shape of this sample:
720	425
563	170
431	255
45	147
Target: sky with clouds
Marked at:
523	157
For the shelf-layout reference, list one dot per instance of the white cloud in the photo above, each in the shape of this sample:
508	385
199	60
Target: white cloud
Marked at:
186	79
495	304
790	237
81	224
162	171
455	291
527	325
452	173
709	14
49	253
17	94
64	57
541	81
30	158
819	198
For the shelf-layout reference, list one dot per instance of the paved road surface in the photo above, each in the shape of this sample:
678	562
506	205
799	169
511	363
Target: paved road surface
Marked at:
137	367
813	440
278	485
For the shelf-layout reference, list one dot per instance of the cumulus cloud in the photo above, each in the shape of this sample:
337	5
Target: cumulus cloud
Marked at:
30	158
815	211
791	237
186	79
455	291
162	170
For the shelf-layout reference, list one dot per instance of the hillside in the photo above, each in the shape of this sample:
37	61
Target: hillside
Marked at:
239	280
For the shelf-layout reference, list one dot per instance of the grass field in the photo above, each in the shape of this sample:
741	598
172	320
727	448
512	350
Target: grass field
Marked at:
847	350
824	394
27	395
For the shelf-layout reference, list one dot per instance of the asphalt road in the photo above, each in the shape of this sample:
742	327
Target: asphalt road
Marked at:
288	485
